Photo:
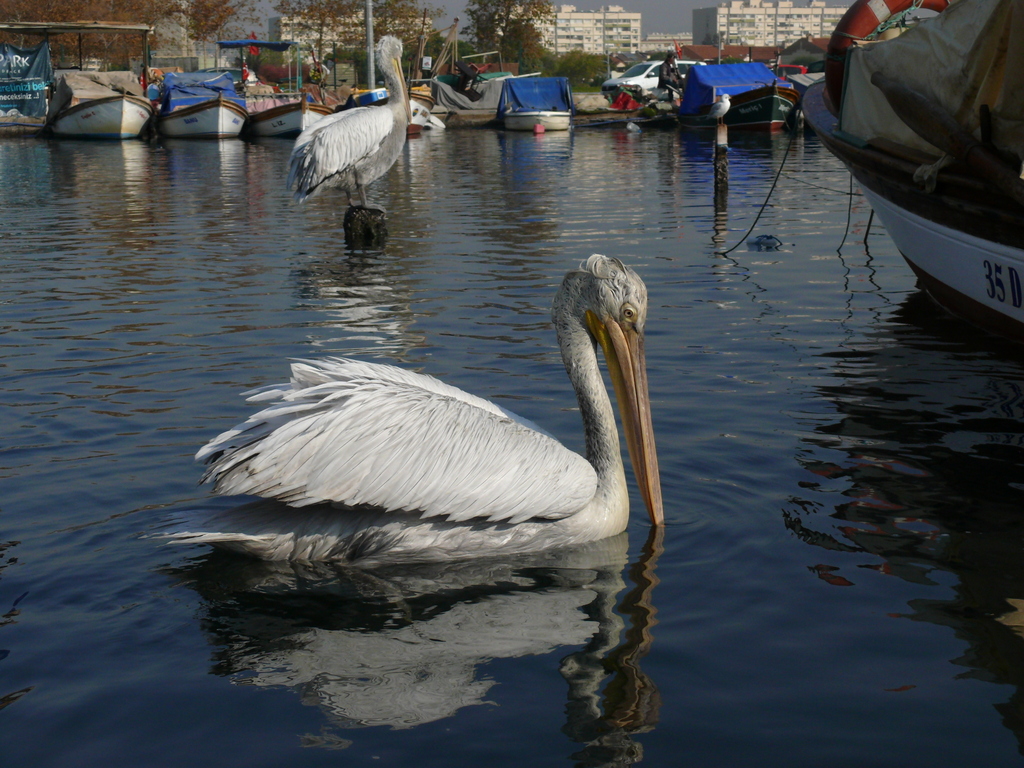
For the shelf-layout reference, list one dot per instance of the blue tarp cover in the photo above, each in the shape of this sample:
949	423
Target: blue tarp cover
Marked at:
184	89
705	84
527	94
274	45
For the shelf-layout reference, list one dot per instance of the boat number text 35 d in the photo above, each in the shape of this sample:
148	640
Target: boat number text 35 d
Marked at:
1000	283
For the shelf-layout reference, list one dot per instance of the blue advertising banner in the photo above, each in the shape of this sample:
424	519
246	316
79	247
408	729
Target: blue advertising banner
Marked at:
24	75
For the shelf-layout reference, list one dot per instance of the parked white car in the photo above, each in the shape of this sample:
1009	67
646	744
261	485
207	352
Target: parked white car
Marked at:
644	74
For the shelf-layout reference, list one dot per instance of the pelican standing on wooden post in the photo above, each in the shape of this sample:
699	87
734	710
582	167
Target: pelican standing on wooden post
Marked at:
353	148
371	463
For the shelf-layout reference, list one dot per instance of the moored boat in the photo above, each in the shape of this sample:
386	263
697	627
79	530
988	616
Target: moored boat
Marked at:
758	99
98	105
195	105
271	111
528	102
271	117
527	120
929	125
420	104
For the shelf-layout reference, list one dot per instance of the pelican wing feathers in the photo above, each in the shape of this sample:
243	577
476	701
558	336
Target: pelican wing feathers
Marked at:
335	145
365	434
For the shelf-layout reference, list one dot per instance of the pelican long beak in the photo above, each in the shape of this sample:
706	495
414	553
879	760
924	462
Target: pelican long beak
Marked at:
404	93
624	351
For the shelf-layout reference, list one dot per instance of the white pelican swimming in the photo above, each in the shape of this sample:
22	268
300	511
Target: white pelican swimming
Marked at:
350	149
375	463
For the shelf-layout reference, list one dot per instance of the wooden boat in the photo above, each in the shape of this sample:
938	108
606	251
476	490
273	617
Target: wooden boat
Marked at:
194	105
959	223
527	102
286	120
98	105
273	113
758	100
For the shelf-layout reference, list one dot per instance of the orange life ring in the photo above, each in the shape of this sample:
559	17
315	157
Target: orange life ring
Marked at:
861	20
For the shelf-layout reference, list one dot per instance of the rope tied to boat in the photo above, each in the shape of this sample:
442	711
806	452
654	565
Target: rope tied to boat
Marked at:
897	19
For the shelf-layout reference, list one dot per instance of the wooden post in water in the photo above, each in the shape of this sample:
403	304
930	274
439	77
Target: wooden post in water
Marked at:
721	167
365	227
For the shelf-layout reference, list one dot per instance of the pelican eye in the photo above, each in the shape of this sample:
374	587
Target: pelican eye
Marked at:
628	313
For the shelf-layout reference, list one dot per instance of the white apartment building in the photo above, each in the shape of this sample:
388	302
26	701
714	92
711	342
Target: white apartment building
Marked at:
763	22
291	28
610	29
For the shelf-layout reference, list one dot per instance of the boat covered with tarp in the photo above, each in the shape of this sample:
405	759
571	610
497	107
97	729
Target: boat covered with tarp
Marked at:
527	102
98	105
931	125
759	100
200	105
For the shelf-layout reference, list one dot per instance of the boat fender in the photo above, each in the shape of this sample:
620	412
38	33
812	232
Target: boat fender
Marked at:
862	21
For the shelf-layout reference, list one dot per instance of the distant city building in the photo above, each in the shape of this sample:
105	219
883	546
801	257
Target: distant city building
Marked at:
610	29
762	22
656	41
295	30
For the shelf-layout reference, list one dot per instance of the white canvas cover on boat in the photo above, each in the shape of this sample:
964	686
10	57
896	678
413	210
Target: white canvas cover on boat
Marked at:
75	87
970	54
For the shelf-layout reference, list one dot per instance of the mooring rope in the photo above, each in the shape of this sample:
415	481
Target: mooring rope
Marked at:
782	165
849	215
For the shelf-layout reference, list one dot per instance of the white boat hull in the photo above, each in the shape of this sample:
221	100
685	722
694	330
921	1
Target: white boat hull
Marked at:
288	120
975	278
420	117
527	120
119	117
213	119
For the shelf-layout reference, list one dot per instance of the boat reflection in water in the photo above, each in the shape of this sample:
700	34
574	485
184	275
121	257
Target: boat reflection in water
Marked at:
401	646
926	452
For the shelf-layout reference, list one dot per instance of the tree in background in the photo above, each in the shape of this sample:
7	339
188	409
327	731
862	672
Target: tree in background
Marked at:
581	68
114	51
511	27
207	21
327	22
403	19
341	24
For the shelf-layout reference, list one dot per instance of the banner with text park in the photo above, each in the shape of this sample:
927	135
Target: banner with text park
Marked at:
24	75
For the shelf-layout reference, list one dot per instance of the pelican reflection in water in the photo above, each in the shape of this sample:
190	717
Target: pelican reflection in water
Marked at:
362	462
401	646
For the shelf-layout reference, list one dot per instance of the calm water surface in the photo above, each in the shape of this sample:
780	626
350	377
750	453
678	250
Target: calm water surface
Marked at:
840	583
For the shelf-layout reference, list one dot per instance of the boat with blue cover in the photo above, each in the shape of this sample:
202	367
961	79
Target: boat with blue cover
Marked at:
196	105
759	100
527	102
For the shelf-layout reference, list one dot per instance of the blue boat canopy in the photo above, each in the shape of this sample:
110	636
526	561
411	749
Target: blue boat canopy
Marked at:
274	45
184	89
707	83
529	94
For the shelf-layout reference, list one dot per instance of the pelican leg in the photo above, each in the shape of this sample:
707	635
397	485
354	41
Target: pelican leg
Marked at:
362	200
